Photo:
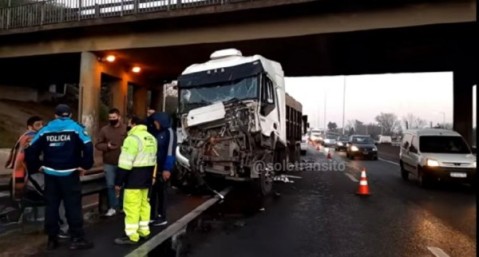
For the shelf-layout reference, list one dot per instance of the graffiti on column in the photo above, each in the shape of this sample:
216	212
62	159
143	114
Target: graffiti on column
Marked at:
88	121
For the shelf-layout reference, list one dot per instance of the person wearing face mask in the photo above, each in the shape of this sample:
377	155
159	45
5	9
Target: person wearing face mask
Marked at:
109	142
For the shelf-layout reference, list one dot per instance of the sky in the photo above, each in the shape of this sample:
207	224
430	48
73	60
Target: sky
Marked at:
426	95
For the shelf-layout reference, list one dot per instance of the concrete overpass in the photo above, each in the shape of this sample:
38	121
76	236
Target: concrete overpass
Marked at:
310	38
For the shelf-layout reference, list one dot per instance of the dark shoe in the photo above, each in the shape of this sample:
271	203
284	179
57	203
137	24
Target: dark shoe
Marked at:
124	241
144	238
159	222
52	244
80	244
63	235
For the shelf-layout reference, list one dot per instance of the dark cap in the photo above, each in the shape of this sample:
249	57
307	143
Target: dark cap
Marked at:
63	110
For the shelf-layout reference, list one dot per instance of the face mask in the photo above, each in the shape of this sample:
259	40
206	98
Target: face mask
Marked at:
113	122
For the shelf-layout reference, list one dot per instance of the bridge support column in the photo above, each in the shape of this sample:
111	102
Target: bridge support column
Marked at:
119	90
90	87
462	104
140	101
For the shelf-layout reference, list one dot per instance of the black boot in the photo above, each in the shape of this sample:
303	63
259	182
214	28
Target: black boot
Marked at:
52	243
80	244
124	240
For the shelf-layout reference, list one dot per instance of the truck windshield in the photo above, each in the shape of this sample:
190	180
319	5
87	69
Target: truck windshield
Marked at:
443	144
190	98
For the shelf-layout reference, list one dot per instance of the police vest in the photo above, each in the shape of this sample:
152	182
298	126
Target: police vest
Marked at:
138	150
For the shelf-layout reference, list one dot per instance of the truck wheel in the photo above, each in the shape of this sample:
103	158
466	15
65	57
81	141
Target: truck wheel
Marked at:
264	184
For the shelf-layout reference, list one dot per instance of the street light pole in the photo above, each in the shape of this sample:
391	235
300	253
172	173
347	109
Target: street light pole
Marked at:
325	93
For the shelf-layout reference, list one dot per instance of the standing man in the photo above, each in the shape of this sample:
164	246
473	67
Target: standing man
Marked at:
135	171
109	142
165	161
16	159
67	154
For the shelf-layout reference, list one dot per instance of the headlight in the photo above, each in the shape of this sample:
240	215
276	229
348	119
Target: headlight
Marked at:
474	164
340	144
432	163
354	148
375	149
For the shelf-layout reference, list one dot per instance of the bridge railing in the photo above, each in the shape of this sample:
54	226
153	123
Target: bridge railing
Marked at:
29	13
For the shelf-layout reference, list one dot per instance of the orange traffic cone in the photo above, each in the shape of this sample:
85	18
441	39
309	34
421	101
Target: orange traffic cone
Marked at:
363	184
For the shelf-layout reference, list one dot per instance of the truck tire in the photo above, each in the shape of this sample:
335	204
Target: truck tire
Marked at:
264	184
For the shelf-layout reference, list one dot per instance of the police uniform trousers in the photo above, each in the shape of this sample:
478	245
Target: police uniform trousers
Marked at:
68	189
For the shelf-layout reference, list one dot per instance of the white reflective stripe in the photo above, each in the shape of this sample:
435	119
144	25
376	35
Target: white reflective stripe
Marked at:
170	144
129	233
145	159
363	183
59	171
134	226
144	223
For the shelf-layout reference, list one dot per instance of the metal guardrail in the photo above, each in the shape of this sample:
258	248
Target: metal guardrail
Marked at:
30	13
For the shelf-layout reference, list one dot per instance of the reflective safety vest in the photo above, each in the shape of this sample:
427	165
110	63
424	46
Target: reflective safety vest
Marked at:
138	150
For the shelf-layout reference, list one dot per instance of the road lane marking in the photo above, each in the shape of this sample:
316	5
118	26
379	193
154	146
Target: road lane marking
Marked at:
351	177
438	252
384	160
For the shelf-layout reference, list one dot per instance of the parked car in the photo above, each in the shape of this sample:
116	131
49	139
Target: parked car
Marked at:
362	146
304	144
341	143
433	155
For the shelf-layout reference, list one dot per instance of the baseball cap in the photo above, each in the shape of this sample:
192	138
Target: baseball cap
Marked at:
63	110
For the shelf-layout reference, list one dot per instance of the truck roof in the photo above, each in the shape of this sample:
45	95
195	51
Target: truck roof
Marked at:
233	57
293	103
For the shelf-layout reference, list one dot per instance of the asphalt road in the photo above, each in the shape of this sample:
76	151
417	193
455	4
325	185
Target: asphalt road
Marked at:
320	215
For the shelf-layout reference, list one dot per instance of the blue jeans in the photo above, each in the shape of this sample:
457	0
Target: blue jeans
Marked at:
110	175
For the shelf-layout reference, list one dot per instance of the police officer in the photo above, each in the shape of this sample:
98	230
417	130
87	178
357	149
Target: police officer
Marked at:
67	153
136	165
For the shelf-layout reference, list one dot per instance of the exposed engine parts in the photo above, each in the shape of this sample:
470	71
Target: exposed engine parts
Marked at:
223	146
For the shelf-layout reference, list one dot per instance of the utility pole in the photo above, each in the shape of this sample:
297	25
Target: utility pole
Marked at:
325	111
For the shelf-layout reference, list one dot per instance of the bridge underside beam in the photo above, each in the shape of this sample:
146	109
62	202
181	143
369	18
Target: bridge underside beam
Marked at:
462	103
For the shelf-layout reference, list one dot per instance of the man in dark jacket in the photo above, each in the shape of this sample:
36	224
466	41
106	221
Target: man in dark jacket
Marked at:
110	142
67	153
166	138
150	112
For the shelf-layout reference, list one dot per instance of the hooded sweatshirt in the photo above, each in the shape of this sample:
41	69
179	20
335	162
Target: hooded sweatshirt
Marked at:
166	138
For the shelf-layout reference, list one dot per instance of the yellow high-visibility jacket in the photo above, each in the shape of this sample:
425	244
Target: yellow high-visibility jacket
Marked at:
137	159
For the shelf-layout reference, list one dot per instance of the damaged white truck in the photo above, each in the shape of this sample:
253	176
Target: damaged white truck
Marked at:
237	121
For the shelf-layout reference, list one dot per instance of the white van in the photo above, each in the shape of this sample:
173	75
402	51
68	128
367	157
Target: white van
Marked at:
385	139
436	155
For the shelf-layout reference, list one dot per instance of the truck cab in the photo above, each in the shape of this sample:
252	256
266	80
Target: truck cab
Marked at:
233	114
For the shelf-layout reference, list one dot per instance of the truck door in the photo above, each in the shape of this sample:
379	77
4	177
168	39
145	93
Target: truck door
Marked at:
268	110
